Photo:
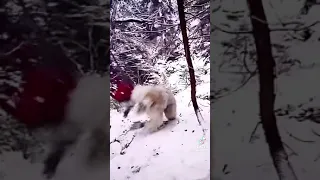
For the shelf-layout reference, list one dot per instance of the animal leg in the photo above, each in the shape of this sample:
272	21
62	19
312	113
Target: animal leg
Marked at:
156	120
66	135
171	112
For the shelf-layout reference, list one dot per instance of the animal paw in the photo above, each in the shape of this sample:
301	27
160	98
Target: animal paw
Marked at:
152	126
137	125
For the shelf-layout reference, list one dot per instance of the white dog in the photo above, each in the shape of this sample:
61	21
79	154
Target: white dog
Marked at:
86	113
154	101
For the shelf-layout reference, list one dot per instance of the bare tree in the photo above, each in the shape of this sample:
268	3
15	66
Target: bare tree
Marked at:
183	27
266	66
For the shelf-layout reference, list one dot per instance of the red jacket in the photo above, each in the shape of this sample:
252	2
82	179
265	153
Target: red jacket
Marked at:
44	97
123	92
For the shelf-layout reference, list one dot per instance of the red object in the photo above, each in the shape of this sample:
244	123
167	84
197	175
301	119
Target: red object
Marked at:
44	97
123	92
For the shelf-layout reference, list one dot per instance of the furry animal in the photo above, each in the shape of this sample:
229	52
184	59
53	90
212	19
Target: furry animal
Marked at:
69	105
87	112
154	101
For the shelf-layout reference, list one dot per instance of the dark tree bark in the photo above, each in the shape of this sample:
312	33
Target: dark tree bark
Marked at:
183	27
308	4
266	65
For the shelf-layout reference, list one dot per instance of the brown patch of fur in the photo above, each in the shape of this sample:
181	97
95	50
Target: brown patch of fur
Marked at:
155	97
170	112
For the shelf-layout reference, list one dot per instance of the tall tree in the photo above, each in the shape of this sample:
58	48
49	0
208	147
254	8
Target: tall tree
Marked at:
183	26
266	66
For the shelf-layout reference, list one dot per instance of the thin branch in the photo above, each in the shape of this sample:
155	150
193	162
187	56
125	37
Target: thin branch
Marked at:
115	140
13	50
244	59
315	133
161	30
77	65
317	158
271	30
295	29
230	31
213	10
254	131
70	41
126	145
293	152
299	139
90	49
131	20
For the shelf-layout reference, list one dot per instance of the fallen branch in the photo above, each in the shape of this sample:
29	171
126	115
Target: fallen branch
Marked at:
296	29
126	145
315	133
254	131
299	139
293	152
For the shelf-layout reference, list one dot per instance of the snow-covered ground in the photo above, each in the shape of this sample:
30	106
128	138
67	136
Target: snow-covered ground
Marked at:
177	152
237	116
13	167
238	152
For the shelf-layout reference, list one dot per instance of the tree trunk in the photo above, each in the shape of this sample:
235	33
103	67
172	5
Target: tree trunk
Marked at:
266	65
183	27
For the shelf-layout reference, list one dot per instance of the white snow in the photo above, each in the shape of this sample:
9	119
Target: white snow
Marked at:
178	152
252	160
14	167
236	115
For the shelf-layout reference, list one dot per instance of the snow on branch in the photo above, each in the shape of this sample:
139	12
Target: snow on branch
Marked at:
131	20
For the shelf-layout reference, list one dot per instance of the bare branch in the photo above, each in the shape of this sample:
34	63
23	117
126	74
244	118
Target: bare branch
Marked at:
271	29
317	158
131	20
161	30
293	152
12	50
254	132
231	31
299	139
295	29
213	10
91	48
315	133
244	59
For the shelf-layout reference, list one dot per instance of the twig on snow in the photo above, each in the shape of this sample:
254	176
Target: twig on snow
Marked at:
299	139
254	131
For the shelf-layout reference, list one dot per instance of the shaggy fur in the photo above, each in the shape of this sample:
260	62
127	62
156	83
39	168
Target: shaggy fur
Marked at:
154	101
87	112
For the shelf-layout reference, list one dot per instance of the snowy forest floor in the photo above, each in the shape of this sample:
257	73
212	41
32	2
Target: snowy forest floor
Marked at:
179	151
242	153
